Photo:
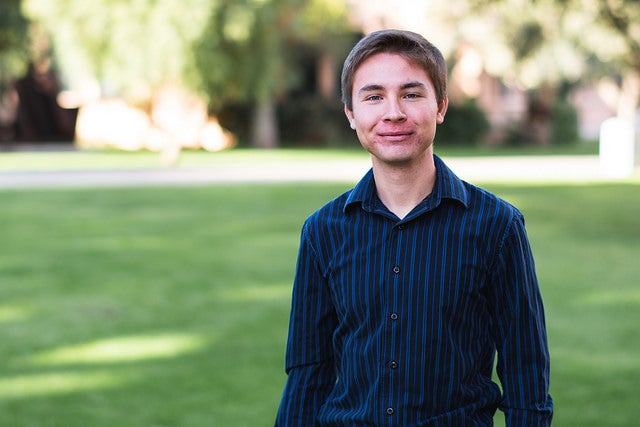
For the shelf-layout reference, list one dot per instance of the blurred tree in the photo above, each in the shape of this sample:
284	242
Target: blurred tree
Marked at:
13	63
227	51
524	44
614	39
248	54
325	25
556	36
242	57
131	47
13	42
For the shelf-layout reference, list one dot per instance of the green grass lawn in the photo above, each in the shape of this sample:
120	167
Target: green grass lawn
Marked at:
169	306
83	159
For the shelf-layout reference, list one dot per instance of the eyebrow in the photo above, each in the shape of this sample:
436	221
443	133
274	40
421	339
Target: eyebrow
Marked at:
375	87
370	88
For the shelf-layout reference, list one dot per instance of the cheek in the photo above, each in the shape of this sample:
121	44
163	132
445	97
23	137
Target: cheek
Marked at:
364	121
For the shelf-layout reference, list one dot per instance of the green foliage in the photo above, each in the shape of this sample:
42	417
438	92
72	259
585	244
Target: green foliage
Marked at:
464	124
237	52
524	43
13	42
234	50
250	49
528	38
315	121
515	134
621	19
241	56
130	46
229	52
169	306
564	123
556	29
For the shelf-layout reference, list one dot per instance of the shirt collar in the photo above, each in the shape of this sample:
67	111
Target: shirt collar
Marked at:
447	186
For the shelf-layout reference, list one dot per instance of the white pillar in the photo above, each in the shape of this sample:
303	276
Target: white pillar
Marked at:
617	147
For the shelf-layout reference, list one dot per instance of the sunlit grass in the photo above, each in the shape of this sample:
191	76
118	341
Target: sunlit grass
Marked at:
51	384
13	313
613	297
87	159
120	350
169	306
98	159
258	293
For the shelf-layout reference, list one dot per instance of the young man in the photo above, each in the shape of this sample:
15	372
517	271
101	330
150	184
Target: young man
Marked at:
408	285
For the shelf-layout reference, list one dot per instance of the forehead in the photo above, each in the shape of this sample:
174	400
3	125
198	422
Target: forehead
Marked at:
388	70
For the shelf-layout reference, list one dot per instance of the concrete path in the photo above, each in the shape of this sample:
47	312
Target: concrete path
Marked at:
476	169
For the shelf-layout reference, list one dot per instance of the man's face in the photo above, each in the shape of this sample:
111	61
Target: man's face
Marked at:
395	110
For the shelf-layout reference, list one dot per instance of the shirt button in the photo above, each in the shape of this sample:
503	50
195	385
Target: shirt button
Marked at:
393	364
390	411
396	269
394	316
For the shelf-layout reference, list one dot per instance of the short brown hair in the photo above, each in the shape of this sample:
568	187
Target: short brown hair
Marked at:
412	46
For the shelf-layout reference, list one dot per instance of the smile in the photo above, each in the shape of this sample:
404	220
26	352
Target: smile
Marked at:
395	136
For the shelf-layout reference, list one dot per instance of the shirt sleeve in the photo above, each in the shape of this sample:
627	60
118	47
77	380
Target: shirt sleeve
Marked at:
309	364
519	332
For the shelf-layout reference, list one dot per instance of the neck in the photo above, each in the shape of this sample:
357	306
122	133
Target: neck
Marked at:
402	187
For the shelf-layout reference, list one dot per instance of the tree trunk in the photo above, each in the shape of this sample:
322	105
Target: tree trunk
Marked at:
326	71
538	119
265	124
629	94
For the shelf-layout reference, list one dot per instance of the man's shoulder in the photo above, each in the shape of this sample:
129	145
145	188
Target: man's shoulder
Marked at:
330	211
483	200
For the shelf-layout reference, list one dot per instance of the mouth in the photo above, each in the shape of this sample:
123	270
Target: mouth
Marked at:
395	136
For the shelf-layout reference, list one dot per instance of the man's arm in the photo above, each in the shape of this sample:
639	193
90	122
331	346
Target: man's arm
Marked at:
309	360
520	332
304	394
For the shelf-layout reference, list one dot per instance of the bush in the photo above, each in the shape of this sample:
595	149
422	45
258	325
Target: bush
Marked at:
564	124
303	121
464	124
314	121
236	118
515	134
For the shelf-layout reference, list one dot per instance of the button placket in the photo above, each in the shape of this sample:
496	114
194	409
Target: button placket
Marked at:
391	364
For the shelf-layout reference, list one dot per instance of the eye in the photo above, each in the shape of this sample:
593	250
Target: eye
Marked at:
373	98
412	95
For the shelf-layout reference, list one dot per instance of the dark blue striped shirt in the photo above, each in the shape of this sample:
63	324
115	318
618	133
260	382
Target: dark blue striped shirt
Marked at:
397	322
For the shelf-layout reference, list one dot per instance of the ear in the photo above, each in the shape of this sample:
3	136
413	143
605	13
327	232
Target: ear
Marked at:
442	109
350	117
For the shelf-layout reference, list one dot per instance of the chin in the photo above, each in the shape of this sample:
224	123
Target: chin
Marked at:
405	153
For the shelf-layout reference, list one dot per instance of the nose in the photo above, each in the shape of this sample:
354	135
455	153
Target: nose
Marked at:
394	111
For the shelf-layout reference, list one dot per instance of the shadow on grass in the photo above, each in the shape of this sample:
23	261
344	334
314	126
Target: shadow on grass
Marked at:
169	306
